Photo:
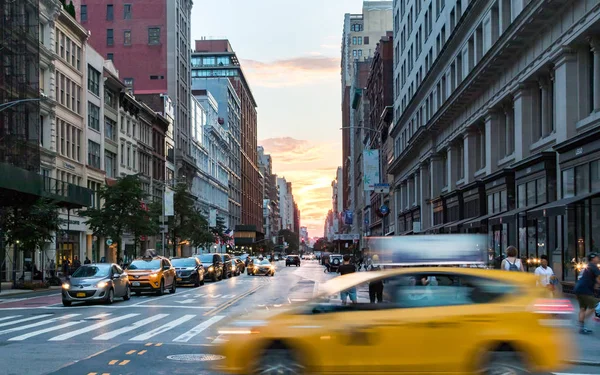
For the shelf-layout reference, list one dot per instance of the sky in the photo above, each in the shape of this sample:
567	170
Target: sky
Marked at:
290	53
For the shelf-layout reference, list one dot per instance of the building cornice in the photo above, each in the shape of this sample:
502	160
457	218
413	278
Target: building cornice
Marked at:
67	20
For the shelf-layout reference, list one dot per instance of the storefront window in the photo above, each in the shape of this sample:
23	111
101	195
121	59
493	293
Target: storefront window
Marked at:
541	238
490	205
503	201
595	216
568	183
582	179
496	202
595	175
521	196
531	197
570	257
531	239
541	190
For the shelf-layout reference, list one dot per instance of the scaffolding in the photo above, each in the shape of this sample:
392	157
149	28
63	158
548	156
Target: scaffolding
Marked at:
19	81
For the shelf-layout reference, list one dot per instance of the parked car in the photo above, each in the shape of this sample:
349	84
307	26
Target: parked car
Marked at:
292	260
189	271
213	265
96	282
228	268
335	261
152	274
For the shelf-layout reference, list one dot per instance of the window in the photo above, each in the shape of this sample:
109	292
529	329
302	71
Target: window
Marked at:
568	183
93	80
127	37
154	35
541	190
129	83
521	196
366	40
582	179
93	116
127	11
110	56
93	154
109	12
531	195
122	154
110	164
110	129
353	40
360	40
110	40
84	14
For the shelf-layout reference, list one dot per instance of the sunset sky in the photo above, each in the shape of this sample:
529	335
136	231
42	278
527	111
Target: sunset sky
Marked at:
290	53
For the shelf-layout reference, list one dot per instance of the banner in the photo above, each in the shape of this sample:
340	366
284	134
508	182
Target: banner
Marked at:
169	206
348	217
370	169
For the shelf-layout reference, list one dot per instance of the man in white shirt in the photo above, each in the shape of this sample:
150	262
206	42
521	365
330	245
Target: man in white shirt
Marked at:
543	272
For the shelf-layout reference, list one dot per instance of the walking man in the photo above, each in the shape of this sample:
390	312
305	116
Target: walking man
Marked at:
345	269
584	290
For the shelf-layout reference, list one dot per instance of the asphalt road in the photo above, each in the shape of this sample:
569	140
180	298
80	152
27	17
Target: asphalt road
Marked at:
172	334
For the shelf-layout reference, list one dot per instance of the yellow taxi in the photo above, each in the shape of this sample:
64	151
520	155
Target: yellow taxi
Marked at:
152	274
430	320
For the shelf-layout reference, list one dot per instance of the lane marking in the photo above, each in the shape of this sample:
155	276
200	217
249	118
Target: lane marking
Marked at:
198	329
37	324
131	352
10	317
178	307
162	329
42	331
148	344
113	362
159	344
142	352
25	320
136	325
233	301
91	328
92	373
124	362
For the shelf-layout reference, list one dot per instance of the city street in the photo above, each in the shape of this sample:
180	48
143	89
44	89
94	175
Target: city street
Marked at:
171	334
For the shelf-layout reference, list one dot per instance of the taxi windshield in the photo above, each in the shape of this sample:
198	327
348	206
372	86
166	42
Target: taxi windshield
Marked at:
144	264
206	258
183	262
263	262
92	271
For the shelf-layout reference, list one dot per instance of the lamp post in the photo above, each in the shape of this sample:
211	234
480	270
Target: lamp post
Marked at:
8	105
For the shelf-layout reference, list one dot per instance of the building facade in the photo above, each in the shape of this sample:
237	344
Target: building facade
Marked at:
497	137
214	59
270	194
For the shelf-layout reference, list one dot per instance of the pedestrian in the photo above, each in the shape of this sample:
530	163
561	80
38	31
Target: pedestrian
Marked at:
545	274
87	261
66	267
76	263
52	268
512	263
584	290
375	287
327	265
345	269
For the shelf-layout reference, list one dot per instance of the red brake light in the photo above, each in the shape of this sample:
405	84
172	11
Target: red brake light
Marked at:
553	306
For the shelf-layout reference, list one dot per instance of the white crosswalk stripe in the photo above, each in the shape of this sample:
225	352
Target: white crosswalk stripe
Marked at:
91	327
37	324
161	329
9	317
136	325
198	329
25	320
42	331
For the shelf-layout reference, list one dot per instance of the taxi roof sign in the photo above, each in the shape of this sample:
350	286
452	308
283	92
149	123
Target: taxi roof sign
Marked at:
438	249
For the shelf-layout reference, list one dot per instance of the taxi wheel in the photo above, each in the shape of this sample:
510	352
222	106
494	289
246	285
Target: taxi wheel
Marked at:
197	281
66	303
278	361
504	363
202	281
173	287
110	297
161	290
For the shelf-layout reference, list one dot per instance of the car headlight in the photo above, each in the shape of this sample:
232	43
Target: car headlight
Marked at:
153	274
101	284
211	268
66	286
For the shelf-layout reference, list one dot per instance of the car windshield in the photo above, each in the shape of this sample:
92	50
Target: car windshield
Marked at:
206	258
185	262
144	265
263	262
92	271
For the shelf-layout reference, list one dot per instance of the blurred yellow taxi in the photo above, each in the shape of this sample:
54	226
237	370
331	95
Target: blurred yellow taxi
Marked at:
431	320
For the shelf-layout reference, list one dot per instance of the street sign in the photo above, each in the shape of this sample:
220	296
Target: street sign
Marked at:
381	188
109	242
346	237
164	228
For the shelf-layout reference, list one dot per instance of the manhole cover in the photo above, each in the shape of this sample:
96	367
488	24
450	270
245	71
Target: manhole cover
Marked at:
195	357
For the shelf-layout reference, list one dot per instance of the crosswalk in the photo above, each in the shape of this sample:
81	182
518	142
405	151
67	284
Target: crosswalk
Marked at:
131	327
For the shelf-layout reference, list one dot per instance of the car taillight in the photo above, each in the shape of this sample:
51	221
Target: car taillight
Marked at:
553	306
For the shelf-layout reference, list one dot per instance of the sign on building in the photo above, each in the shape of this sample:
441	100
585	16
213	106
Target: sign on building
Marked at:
370	169
169	202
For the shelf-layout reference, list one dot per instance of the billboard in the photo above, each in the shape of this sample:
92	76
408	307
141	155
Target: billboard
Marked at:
370	169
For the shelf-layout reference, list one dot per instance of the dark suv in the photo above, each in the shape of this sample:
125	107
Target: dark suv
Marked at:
213	266
292	260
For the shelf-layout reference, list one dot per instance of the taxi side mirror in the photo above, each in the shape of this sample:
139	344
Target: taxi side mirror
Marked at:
166	268
116	276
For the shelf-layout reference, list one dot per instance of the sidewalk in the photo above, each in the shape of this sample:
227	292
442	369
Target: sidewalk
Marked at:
7	290
588	345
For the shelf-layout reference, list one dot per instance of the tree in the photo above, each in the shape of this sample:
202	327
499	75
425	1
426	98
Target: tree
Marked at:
146	223
123	211
187	223
219	229
291	238
31	225
71	9
321	244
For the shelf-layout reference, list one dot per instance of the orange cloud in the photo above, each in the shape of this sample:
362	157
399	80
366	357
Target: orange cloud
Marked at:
299	71
310	168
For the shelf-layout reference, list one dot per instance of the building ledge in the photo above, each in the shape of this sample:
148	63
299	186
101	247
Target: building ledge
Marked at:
592	119
543	143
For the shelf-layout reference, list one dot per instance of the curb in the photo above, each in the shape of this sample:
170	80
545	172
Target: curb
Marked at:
584	363
26	291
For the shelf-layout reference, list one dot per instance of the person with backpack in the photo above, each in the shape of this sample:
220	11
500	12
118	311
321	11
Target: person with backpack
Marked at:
512	262
584	291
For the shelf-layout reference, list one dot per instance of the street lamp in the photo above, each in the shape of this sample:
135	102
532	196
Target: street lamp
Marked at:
7	105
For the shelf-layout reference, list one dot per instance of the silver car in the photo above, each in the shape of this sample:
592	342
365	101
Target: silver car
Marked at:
96	282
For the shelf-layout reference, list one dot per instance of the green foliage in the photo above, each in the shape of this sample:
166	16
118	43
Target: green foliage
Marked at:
321	244
122	211
291	238
32	225
71	9
188	223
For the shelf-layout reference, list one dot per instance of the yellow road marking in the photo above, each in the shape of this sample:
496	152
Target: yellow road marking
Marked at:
159	344
142	352
225	305
124	362
149	344
92	373
105	373
131	352
113	362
